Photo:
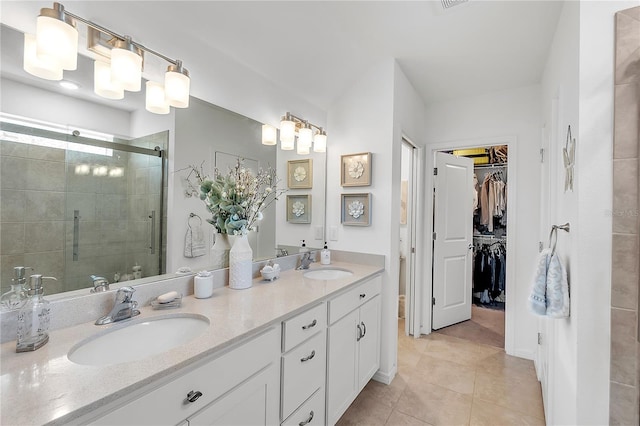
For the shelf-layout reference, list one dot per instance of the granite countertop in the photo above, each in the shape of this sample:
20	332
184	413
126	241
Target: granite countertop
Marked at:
45	387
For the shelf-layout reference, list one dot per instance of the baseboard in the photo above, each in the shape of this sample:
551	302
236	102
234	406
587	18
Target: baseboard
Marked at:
524	354
385	378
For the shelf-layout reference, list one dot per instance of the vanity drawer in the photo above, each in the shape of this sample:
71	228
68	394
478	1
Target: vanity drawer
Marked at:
352	299
303	372
299	328
311	413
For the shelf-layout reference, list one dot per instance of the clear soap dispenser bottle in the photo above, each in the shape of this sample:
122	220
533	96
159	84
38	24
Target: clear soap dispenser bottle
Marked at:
15	298
303	248
33	318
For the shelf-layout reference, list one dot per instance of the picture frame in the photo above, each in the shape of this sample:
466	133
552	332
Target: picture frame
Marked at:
355	169
356	209
299	208
300	174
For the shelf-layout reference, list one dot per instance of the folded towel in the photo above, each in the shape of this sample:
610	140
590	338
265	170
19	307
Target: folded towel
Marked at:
550	290
194	242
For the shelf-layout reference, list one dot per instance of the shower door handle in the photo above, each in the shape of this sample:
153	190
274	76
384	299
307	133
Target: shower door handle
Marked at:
76	234
152	216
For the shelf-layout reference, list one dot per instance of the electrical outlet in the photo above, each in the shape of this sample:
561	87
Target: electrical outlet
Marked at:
333	233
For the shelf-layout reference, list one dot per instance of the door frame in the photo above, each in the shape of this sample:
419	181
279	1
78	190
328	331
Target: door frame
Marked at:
427	283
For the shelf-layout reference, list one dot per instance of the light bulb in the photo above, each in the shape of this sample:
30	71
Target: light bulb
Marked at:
102	84
304	137
57	37
320	142
155	100
44	66
287	134
177	85
268	134
302	149
126	66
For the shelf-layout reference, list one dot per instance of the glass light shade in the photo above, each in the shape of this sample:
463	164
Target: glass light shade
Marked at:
155	101
302	149
320	143
268	135
126	69
57	39
304	137
176	88
102	84
287	135
44	67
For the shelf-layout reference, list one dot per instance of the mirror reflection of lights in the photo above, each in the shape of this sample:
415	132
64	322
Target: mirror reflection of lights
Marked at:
116	172
82	169
100	170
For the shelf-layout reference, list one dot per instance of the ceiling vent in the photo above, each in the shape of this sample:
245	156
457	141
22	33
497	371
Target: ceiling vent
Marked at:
446	4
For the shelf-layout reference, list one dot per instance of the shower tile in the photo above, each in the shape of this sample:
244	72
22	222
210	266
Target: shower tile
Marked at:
624	405
43	236
625	274
12	205
138	207
42	205
45	175
14	149
13	172
624	346
108	207
81	182
625	196
45	153
141	182
627	53
627	104
7	263
13	235
49	264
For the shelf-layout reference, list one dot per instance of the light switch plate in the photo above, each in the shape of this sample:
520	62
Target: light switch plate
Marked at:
319	233
333	233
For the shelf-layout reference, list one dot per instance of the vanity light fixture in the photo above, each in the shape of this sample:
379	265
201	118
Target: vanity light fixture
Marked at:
291	126
54	48
69	85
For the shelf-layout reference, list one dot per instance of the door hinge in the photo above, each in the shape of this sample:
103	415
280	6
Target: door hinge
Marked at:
539	338
435	171
413	250
540	246
542	155
434	236
433	301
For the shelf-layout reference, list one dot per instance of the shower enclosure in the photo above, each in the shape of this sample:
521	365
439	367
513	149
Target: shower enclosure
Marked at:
73	206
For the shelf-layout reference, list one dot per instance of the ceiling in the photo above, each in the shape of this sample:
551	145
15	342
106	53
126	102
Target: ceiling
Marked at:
318	49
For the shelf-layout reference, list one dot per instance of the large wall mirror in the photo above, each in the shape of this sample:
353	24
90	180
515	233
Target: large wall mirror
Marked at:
114	199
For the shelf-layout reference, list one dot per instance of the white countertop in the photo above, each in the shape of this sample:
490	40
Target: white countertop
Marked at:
45	387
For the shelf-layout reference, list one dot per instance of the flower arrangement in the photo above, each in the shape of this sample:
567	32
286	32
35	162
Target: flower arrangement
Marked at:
235	200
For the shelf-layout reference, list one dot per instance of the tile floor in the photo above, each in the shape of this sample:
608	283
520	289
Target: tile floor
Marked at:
445	380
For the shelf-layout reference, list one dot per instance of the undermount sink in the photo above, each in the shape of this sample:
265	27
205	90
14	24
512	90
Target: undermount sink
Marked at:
138	339
328	274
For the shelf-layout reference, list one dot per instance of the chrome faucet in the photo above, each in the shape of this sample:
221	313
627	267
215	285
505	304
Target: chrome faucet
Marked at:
306	260
99	284
124	307
281	252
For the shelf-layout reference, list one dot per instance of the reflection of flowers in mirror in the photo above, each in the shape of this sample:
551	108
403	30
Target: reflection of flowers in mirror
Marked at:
237	199
298	208
356	209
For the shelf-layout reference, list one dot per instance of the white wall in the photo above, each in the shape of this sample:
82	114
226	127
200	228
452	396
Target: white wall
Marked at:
487	119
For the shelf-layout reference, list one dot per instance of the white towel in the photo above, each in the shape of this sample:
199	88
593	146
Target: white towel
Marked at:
194	242
550	290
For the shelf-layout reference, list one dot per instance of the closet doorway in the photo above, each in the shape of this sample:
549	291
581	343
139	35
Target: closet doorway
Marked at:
477	289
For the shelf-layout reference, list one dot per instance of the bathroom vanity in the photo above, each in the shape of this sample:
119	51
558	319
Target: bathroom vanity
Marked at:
295	351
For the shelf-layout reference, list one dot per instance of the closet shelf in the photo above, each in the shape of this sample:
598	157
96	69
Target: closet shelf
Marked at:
490	166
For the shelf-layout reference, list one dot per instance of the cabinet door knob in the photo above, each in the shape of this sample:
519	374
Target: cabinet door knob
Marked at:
306	422
359	333
193	396
363	295
308	326
309	357
364	329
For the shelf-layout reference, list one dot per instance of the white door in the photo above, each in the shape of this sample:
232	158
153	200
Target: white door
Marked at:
452	255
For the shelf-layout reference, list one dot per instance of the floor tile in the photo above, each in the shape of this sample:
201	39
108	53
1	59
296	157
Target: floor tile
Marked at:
510	392
458	350
434	404
487	414
366	410
400	419
456	377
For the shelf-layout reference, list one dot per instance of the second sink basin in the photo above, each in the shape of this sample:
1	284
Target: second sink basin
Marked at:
328	274
138	339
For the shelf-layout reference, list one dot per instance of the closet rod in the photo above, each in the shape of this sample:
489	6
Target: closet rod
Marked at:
489	166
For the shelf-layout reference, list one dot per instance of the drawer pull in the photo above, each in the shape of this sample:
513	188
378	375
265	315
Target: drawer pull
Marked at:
308	326
363	295
359	336
307	358
306	422
193	396
364	329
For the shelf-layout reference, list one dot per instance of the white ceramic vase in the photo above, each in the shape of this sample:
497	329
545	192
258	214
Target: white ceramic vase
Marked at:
240	264
220	251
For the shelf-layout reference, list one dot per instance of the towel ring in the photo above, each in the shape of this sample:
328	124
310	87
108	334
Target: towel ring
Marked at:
553	235
192	215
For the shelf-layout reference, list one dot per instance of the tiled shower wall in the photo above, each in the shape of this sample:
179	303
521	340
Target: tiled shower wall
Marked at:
625	349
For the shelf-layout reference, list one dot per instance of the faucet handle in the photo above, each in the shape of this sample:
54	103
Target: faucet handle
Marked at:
124	294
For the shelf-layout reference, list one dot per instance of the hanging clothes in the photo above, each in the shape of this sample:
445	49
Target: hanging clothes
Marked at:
489	272
493	200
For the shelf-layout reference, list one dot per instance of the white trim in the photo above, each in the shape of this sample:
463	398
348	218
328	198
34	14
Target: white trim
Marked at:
385	378
427	288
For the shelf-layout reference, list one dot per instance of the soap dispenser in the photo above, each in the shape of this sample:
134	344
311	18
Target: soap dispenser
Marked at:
325	255
15	298
33	318
303	248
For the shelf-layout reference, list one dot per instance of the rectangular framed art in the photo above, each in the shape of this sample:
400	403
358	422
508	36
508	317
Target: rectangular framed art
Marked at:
300	174
299	208
355	169
356	209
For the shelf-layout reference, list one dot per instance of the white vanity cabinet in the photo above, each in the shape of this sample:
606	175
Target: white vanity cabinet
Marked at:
353	350
304	356
238	387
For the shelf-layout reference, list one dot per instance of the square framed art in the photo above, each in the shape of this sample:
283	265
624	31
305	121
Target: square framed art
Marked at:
355	169
300	174
356	209
299	208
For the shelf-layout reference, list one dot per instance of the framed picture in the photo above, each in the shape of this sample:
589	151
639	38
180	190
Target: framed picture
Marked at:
300	174
299	208
356	209
355	169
